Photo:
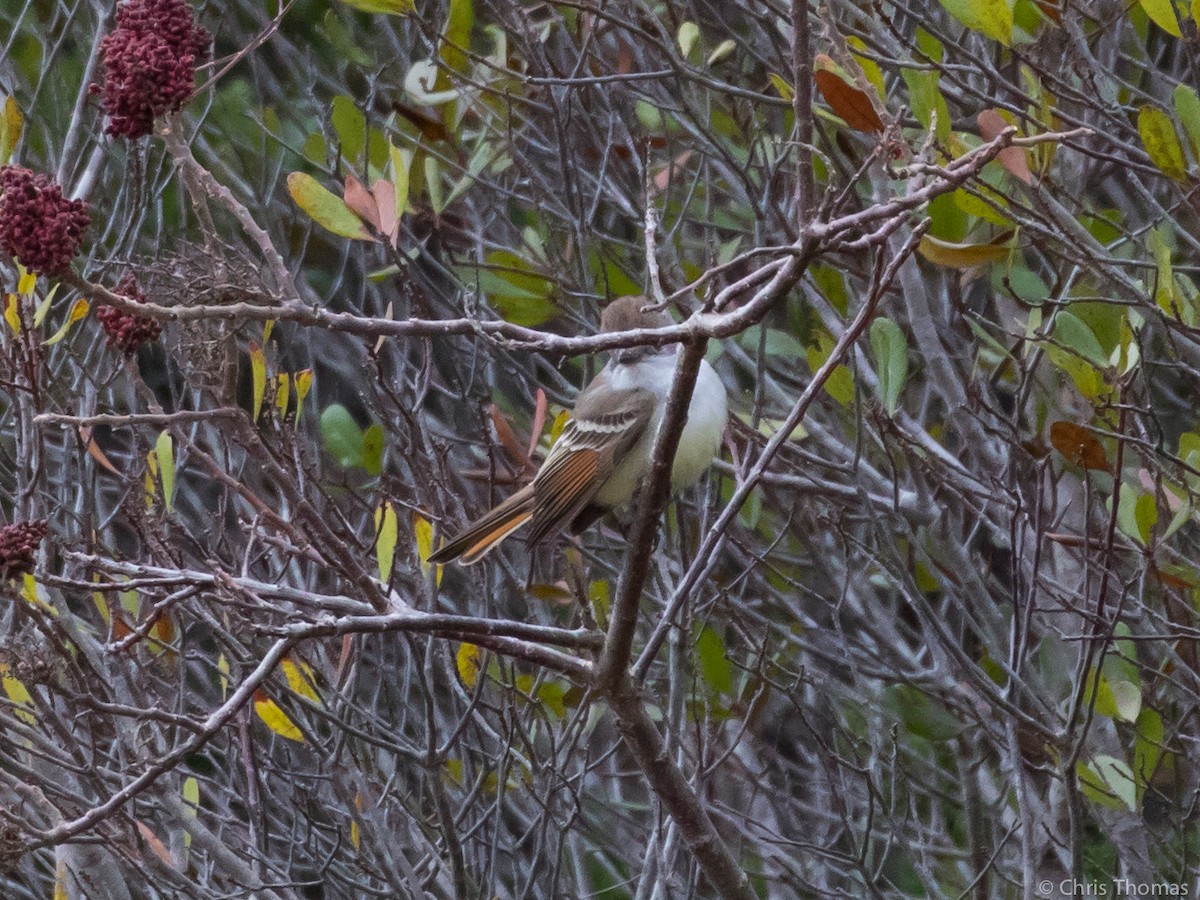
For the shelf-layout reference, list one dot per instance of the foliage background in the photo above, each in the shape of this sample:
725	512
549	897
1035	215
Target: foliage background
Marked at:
937	641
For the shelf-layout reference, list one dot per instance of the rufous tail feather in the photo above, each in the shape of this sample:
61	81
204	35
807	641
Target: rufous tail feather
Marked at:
489	530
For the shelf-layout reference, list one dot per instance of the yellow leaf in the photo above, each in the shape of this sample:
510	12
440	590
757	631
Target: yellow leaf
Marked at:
423	531
326	208
1158	134
151	478
191	805
560	422
303	381
39	314
300	677
79	309
12	314
993	18
164	450
11	124
60	881
282	393
19	695
469	660
26	283
29	590
1162	14
386	7
782	86
386	535
258	377
354	835
963	256
275	718
223	674
858	47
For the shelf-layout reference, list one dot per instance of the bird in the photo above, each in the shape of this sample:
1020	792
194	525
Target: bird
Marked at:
605	450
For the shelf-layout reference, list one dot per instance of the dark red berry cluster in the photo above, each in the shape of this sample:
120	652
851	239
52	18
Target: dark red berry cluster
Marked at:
38	225
149	63
18	544
128	331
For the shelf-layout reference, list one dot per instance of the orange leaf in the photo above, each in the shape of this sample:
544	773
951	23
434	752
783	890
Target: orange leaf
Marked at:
164	629
1078	445
157	847
852	104
95	452
1014	159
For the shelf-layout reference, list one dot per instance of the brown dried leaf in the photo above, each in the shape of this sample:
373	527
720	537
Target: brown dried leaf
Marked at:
539	421
852	104
431	128
1078	445
508	437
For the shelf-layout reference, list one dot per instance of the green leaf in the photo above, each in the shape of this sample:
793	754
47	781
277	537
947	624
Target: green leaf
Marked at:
401	161
1147	747
164	449
350	126
387	7
1162	14
373	444
890	349
340	436
840	385
1187	109
1072	333
927	100
721	51
1162	142
12	122
715	669
1145	514
1107	781
689	33
992	18
518	291
456	38
325	208
1137	514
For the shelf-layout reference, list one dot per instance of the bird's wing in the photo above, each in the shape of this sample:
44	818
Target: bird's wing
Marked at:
604	427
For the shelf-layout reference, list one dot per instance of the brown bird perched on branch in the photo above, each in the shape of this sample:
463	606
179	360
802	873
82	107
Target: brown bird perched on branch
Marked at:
605	450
